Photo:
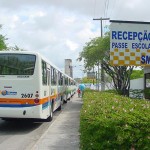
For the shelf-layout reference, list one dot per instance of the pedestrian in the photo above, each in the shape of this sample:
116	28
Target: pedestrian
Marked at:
79	92
82	88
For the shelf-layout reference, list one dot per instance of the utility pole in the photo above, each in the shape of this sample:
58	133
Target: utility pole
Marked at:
102	70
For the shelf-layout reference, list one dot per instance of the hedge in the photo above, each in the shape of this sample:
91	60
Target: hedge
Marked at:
112	122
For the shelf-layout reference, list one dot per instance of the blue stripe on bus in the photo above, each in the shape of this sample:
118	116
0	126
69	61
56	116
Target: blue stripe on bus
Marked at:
45	105
16	105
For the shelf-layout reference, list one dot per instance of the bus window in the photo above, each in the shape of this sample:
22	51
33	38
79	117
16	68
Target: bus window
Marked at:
48	76
60	78
44	73
66	81
53	76
17	64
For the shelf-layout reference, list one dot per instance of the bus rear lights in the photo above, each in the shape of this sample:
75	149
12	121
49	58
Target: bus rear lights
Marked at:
36	95
36	100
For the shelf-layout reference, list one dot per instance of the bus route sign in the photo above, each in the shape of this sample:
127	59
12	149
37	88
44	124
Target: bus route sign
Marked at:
129	43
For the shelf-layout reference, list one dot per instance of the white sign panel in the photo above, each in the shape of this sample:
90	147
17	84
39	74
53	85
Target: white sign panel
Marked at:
129	43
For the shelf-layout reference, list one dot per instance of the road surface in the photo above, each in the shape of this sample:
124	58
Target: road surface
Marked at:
61	133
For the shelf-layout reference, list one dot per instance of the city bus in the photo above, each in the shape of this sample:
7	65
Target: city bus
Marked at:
31	87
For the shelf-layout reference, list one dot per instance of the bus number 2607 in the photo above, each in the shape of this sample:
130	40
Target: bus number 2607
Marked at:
26	95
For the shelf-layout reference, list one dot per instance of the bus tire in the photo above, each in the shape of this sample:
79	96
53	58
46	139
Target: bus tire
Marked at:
50	118
59	108
65	101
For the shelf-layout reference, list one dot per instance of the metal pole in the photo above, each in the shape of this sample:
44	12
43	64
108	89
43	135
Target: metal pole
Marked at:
98	77
102	70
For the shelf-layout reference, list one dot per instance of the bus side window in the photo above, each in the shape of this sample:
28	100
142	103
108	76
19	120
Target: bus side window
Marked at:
44	73
53	76
60	78
48	76
66	81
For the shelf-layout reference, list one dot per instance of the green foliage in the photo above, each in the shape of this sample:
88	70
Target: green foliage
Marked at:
147	93
15	48
3	45
86	80
97	52
112	122
91	53
94	51
137	74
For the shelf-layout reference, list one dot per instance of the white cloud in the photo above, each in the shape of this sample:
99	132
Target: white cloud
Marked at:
37	14
71	45
69	20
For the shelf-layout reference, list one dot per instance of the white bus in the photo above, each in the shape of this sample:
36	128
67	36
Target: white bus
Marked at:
31	86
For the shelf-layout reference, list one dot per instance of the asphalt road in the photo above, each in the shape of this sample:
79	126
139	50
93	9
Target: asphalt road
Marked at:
61	133
21	135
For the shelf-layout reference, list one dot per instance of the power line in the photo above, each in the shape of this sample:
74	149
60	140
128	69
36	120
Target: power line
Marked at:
107	7
94	7
106	13
116	2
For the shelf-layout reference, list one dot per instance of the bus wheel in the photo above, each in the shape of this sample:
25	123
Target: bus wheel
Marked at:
50	118
64	101
59	108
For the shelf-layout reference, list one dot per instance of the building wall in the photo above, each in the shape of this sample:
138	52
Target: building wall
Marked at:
68	67
137	83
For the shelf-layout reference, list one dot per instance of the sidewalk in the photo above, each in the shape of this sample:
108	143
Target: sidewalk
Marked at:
63	133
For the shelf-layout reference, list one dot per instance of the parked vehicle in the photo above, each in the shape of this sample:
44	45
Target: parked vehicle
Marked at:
31	86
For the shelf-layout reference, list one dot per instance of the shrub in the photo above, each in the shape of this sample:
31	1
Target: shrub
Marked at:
112	122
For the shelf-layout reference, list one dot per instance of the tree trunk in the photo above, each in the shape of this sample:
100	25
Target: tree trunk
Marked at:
120	76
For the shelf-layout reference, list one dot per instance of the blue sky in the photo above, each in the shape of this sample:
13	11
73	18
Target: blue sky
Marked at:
58	29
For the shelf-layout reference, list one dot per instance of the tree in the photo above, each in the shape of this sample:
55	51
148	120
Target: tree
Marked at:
3	45
96	51
92	53
15	48
86	80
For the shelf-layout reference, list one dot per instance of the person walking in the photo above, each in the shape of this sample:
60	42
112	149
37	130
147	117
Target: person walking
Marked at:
79	92
82	88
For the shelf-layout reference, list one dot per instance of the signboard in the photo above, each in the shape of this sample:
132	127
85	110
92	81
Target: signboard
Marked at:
91	75
129	43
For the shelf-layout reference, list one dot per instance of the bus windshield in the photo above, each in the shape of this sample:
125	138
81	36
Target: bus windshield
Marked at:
17	64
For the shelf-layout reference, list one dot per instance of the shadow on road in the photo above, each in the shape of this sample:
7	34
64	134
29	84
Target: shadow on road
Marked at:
18	126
